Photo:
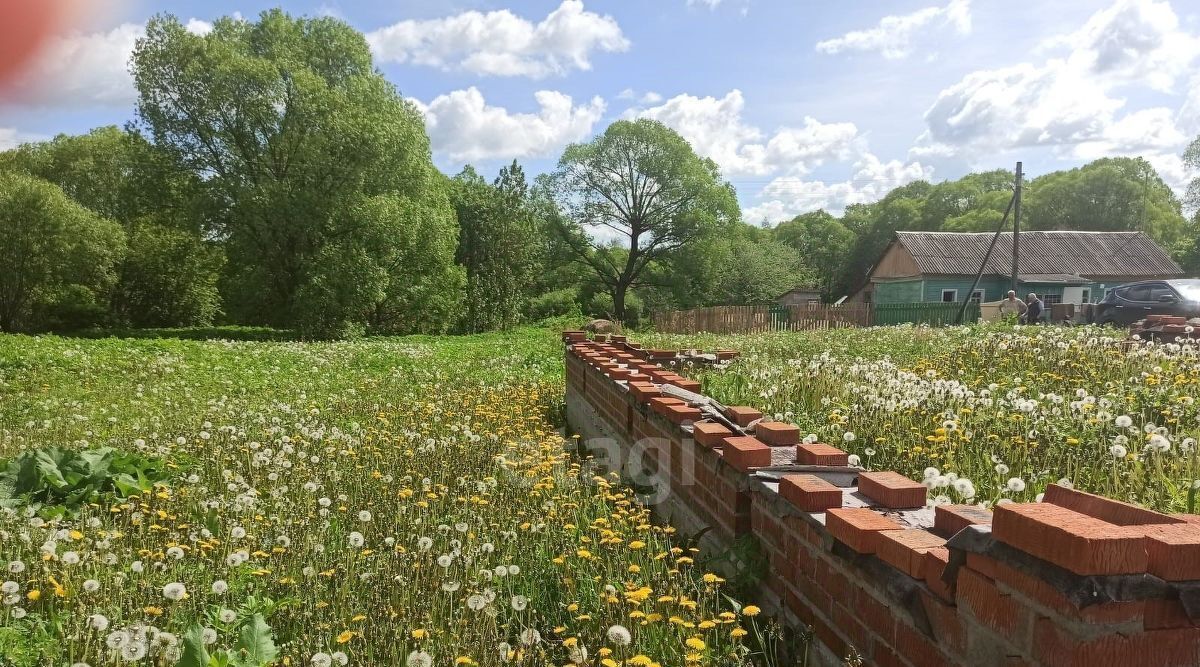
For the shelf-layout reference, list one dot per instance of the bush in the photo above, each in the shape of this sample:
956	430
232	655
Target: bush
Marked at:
602	306
558	303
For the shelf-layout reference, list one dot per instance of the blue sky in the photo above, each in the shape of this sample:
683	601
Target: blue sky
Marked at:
803	104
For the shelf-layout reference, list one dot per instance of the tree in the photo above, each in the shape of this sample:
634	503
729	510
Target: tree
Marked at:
495	245
636	195
823	243
1191	160
169	276
758	272
58	257
1110	195
331	212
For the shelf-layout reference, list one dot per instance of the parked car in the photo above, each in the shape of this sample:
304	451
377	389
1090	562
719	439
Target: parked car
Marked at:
1129	303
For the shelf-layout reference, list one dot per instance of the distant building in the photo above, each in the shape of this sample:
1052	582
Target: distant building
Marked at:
1061	267
801	295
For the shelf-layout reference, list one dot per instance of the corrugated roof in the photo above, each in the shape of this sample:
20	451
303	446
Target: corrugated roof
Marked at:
1089	254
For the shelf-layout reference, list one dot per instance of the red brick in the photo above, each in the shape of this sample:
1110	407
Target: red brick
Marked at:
574	336
618	373
819	454
1187	518
809	492
857	527
1012	580
936	560
690	385
724	355
777	433
643	391
710	434
1105	509
659	403
905	549
949	519
1164	614
995	610
742	415
1173	551
745	452
918	649
891	489
660	354
679	414
1071	540
1053	645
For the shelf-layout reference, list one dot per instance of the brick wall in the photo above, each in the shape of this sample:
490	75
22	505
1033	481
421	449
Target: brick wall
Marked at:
859	558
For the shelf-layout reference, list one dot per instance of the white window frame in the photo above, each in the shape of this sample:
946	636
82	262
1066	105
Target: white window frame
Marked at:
1087	295
976	296
954	299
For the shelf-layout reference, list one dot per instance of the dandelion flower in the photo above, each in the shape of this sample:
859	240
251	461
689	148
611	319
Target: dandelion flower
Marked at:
419	659
174	591
619	635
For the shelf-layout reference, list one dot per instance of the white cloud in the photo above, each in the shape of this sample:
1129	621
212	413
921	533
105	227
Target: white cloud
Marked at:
711	4
651	97
715	129
894	36
626	94
501	43
463	126
1071	103
11	137
1132	41
788	196
82	69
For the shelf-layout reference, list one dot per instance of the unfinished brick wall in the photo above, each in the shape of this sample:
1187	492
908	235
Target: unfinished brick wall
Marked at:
858	557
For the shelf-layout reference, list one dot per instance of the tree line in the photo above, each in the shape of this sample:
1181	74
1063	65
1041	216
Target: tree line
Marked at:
272	176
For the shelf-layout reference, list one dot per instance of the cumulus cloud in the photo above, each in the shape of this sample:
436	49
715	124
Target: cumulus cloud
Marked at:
86	68
463	126
716	129
1072	102
788	196
894	36
1132	41
11	137
501	43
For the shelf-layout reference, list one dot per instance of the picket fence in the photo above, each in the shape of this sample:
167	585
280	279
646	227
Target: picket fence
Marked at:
758	319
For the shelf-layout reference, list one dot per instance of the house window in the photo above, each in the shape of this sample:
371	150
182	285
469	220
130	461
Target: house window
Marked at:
1051	299
949	295
1087	295
977	296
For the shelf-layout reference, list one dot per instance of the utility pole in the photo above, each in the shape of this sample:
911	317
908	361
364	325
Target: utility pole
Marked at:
1016	229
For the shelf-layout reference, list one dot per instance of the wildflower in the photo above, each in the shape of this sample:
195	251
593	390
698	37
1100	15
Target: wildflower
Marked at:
98	622
227	615
619	635
174	591
1015	484
848	436
364	516
530	636
695	643
853	460
356	539
1123	421
345	636
419	659
219	587
1117	451
751	610
321	660
91	585
519	602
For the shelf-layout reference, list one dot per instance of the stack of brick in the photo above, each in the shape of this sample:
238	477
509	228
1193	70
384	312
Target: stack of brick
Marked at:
872	569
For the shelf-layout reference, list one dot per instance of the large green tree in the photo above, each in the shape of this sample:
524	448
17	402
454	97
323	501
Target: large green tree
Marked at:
328	204
169	276
496	246
58	257
823	243
638	195
1107	195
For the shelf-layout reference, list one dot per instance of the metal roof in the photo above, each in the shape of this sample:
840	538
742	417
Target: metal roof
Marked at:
1089	254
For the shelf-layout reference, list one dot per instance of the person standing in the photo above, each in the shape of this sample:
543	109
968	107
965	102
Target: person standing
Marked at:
1011	306
1033	309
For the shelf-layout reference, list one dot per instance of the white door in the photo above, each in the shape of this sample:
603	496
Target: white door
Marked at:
1073	295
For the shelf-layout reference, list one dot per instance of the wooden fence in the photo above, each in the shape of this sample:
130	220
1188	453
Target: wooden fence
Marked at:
757	319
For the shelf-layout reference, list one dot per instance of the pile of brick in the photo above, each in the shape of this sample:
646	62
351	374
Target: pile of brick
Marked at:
861	558
1166	328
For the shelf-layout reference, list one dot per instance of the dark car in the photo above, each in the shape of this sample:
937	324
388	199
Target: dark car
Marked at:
1129	303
